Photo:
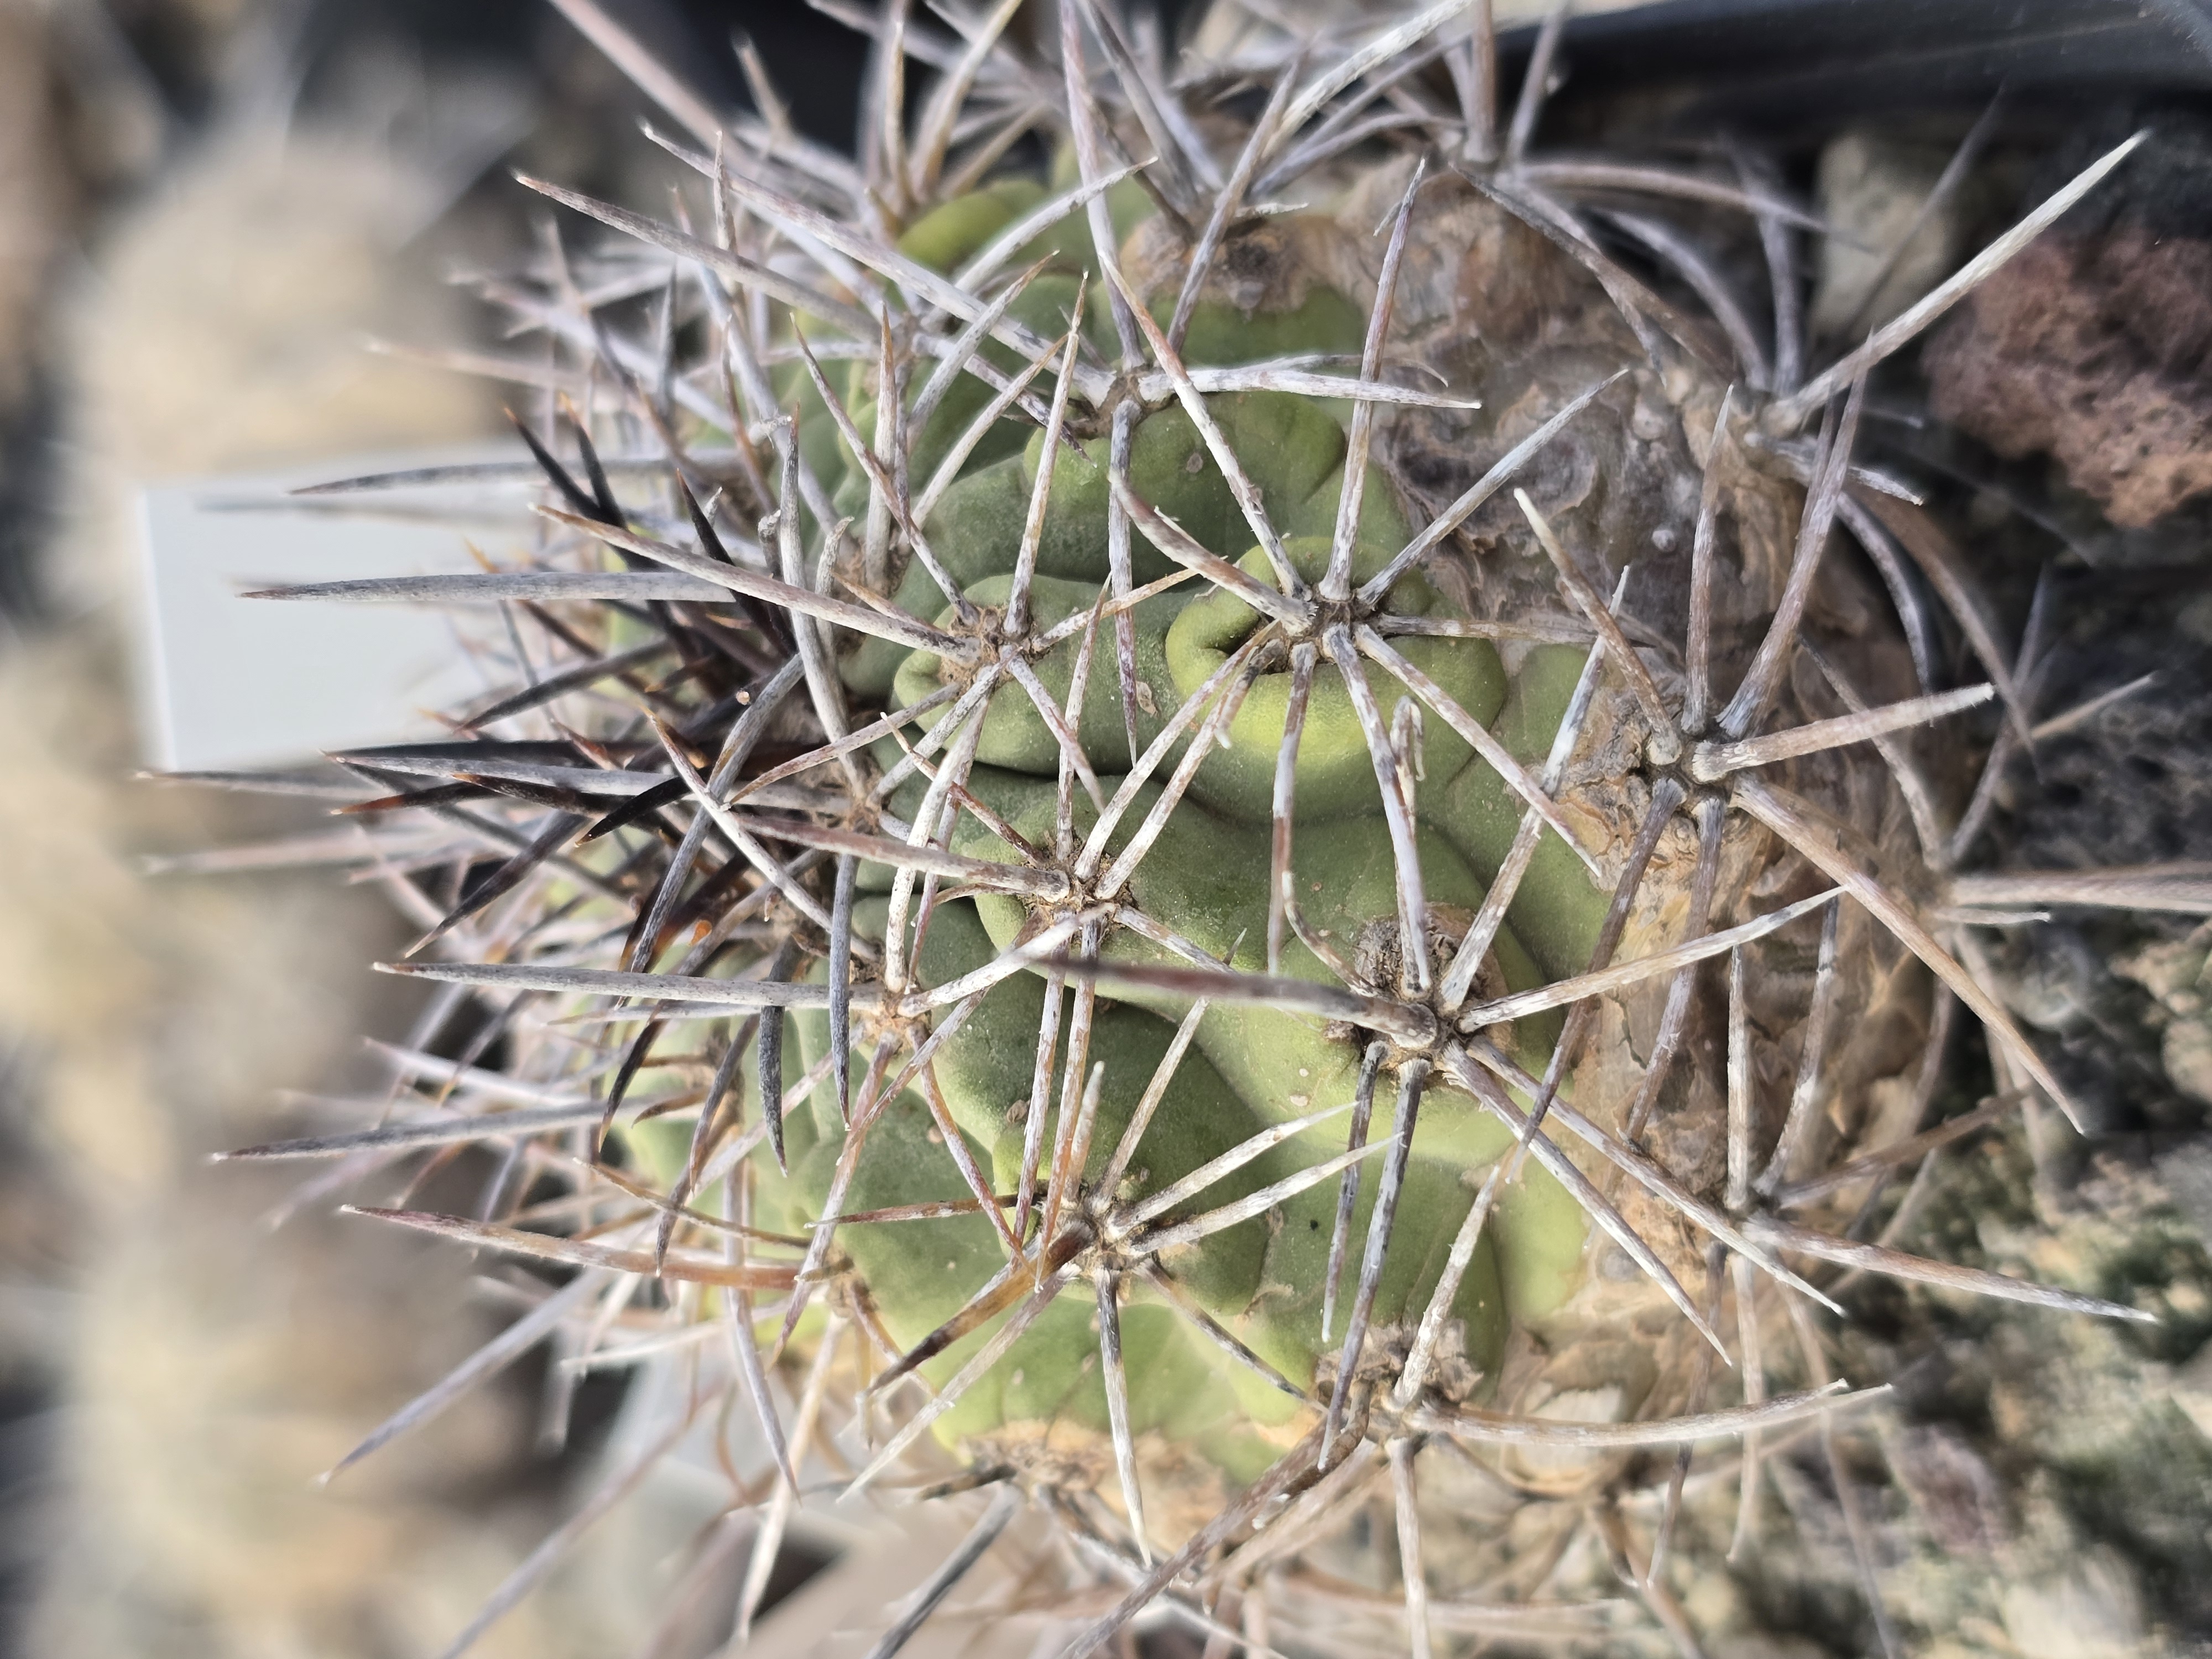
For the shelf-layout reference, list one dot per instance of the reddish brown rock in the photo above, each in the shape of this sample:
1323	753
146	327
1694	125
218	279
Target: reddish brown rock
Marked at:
2094	351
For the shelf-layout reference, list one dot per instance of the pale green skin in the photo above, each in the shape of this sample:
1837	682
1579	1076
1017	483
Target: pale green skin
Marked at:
1205	877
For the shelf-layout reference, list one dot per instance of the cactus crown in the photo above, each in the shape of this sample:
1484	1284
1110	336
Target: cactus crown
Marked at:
1185	791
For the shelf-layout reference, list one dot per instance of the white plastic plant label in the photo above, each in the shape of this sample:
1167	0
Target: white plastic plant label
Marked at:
227	681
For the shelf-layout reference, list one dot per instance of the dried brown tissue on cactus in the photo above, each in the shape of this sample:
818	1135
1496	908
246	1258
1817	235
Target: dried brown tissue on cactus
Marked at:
1206	830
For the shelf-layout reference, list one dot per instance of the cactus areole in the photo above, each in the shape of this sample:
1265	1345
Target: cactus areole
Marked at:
1186	834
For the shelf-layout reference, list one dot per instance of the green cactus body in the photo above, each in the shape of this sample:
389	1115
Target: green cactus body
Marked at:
1251	1069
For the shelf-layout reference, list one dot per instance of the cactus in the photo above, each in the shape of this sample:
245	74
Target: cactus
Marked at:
1266	847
